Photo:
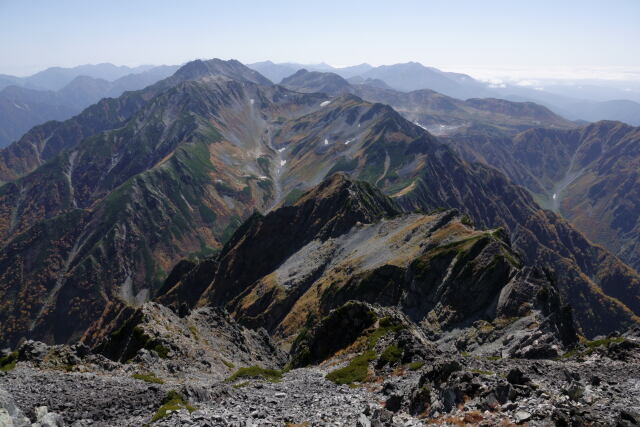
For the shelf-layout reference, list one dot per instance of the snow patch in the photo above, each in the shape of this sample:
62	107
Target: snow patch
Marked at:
555	196
325	103
252	101
348	141
326	141
283	162
282	149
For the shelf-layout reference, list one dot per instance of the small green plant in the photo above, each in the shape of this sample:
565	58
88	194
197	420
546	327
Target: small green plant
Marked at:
493	358
8	362
386	325
242	384
173	401
603	342
356	371
256	372
149	378
414	366
390	355
591	346
228	364
194	332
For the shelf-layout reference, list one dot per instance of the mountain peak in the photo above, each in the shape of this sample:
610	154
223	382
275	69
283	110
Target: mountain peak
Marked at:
316	81
231	68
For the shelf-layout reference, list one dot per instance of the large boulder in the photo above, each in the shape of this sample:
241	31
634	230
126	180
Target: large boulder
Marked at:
10	414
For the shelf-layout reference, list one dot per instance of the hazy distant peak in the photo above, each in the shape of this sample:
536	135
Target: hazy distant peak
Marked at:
232	68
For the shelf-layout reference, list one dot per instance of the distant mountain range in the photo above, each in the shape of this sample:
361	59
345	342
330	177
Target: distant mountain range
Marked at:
96	210
59	93
55	78
590	104
438	113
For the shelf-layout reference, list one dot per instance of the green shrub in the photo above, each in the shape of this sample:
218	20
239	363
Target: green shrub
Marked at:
391	355
414	366
356	371
271	375
591	346
228	364
603	342
242	384
387	325
8	362
173	401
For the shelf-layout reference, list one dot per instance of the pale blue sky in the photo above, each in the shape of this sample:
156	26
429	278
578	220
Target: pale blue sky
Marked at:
452	34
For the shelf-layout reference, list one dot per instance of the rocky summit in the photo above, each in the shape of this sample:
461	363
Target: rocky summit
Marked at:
219	250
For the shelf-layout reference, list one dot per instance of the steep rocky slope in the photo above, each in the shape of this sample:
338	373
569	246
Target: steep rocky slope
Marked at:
108	203
266	278
101	222
44	142
389	318
589	175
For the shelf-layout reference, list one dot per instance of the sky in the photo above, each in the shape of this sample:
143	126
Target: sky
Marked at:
587	38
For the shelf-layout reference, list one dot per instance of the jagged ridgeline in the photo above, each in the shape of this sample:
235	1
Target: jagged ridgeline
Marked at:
97	210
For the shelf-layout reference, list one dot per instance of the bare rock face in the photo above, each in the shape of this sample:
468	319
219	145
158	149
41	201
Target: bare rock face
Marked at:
206	342
10	414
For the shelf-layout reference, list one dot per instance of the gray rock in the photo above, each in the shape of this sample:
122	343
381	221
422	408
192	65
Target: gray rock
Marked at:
363	421
32	351
10	414
521	416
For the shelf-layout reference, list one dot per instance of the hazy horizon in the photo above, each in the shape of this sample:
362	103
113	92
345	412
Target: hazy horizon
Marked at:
580	40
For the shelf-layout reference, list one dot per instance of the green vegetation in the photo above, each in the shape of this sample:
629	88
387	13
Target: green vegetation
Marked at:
355	371
149	378
264	163
591	346
293	196
387	325
171	402
207	215
149	343
228	364
194	332
343	165
240	385
227	233
390	355
414	366
8	362
256	372
603	342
